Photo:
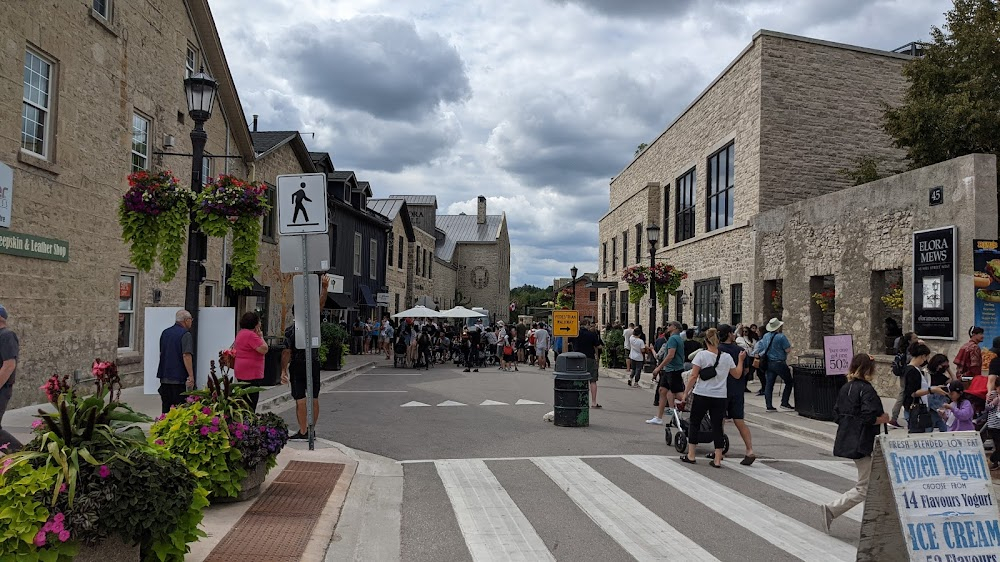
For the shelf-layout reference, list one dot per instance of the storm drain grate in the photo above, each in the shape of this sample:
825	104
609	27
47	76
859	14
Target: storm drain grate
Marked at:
277	527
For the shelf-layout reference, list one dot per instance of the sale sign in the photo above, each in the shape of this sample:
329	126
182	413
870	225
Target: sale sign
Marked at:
838	351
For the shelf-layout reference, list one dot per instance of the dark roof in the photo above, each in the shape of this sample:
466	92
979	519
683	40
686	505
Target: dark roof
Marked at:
418	199
465	228
365	187
341	175
264	141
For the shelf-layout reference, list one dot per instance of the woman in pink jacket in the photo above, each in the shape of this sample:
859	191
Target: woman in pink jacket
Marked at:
250	349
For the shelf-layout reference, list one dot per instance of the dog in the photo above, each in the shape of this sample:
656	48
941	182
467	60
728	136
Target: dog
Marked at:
549	416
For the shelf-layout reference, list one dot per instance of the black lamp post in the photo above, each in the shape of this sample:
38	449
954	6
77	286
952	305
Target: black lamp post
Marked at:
652	236
573	271
199	89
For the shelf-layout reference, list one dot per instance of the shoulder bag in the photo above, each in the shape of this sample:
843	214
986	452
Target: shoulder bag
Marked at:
760	362
709	373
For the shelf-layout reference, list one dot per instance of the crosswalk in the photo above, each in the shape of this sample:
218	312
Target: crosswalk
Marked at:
646	507
520	402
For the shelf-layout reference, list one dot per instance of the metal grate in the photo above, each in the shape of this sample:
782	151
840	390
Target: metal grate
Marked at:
278	525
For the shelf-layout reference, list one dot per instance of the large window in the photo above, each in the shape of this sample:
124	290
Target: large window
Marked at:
390	255
140	143
35	109
638	243
624	248
614	254
190	62
719	213
357	253
126	311
267	231
399	250
604	252
706	303
736	304
684	220
666	215
373	259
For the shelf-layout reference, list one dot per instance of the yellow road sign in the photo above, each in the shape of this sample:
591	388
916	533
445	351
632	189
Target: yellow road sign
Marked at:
565	323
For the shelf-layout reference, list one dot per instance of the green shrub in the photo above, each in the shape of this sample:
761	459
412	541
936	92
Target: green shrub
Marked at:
172	546
24	491
614	349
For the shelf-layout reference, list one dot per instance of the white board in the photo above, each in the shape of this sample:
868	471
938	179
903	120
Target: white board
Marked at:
216	331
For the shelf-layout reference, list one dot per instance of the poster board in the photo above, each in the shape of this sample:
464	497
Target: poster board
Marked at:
986	287
930	498
838	350
216	331
934	272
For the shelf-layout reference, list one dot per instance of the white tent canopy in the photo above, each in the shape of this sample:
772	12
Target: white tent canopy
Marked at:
461	312
418	312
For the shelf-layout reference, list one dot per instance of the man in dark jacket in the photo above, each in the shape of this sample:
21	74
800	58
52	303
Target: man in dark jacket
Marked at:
176	367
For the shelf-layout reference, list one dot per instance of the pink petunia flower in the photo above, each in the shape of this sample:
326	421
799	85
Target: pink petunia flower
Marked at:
206	410
215	420
159	442
60	517
104	471
204	430
64	535
62	490
57	527
36	424
40	539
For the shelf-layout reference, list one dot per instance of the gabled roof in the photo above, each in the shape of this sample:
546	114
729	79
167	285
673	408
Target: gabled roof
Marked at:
322	161
365	187
266	142
418	199
392	208
342	175
465	229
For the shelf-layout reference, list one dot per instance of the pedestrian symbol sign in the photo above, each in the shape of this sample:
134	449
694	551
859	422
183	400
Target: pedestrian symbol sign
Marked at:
565	323
302	204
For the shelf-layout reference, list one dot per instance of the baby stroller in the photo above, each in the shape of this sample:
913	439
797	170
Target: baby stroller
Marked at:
680	439
399	353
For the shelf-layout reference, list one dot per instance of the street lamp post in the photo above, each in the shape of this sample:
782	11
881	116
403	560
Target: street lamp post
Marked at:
573	271
652	236
199	89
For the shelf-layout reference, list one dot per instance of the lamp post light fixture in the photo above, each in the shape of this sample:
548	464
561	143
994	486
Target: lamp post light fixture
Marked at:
573	271
199	90
652	236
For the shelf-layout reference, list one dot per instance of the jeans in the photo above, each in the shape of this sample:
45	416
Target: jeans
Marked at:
936	401
777	369
5	437
855	495
636	370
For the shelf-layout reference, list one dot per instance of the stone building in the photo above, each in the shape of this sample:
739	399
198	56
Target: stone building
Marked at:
399	257
92	92
775	127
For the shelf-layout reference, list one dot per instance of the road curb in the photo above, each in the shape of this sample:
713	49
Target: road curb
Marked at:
274	401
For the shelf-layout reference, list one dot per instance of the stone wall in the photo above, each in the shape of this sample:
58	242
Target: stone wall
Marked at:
66	313
421	280
395	276
857	231
445	277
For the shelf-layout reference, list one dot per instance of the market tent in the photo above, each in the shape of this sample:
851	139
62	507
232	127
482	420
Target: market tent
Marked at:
418	312
461	312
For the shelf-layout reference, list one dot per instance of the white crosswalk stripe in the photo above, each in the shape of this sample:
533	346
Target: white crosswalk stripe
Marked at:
838	468
798	487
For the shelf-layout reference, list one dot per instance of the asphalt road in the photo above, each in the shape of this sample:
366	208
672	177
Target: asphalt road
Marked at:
486	479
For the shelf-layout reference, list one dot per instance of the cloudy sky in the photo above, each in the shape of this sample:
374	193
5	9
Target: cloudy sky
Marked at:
535	104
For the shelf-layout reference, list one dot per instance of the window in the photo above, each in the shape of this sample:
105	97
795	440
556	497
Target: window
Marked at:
684	221
389	253
593	296
623	307
417	266
430	266
35	109
611	305
103	8
267	231
706	303
614	254
396	297
190	62
720	189
206	168
357	253
604	252
373	259
126	311
140	143
604	309
624	248
208	295
736	304
399	261
679	305
638	243
666	215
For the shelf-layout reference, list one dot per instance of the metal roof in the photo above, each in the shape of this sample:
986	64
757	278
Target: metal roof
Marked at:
388	208
418	199
465	228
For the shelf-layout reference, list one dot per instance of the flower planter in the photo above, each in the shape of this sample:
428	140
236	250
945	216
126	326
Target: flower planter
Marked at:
249	486
111	548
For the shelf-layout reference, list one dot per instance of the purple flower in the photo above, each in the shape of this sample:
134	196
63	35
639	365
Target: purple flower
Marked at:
213	429
215	420
206	410
63	535
204	430
59	518
63	488
191	400
104	471
36	424
239	434
40	539
159	442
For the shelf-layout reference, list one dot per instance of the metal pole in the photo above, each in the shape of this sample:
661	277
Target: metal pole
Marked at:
196	239
652	291
307	329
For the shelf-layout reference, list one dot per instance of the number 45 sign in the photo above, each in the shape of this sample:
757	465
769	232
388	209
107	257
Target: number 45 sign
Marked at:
838	351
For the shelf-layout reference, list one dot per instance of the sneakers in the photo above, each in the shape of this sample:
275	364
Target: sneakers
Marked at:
298	435
465	370
629	382
769	410
786	407
894	423
827	518
655	421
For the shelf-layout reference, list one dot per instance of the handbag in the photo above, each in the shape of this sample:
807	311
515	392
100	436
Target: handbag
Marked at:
760	362
850	427
508	350
707	373
920	417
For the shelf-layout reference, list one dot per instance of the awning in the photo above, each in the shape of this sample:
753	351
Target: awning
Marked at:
366	297
255	290
339	300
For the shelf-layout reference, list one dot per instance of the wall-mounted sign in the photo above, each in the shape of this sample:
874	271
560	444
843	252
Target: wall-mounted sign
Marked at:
936	196
986	279
6	194
934	283
28	246
838	351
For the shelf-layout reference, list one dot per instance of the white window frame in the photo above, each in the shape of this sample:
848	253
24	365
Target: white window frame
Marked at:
373	258
190	61
357	253
206	168
130	310
46	108
142	153
106	14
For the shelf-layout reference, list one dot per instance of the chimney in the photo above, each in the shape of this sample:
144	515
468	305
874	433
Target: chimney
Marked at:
254	123
481	218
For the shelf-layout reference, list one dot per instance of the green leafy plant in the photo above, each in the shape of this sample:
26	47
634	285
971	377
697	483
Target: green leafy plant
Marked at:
154	215
225	396
172	546
229	204
24	513
332	337
614	345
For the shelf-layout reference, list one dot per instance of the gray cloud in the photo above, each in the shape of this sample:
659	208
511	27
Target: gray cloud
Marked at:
376	64
633	8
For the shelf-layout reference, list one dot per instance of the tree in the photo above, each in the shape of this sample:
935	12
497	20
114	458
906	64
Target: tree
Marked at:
952	106
866	169
529	295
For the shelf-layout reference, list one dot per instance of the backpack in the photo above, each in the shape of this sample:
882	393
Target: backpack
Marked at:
531	338
899	364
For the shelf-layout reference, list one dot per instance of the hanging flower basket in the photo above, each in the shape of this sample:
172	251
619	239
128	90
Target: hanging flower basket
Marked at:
776	299
667	278
231	204
825	299
893	299
154	215
564	299
637	277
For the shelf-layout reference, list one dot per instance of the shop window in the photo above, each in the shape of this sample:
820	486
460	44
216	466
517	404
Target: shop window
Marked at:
886	310
623	307
822	309
679	305
736	304
126	312
706	303
604	309
612	309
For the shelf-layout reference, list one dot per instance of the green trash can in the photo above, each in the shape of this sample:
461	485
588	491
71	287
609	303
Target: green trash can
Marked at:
572	390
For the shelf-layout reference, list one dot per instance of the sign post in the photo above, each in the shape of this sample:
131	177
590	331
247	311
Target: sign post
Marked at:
566	323
302	212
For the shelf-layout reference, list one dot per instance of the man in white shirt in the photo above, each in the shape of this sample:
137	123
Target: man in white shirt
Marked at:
542	346
627	333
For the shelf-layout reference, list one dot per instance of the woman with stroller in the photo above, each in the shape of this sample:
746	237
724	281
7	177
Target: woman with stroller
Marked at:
859	414
710	372
636	349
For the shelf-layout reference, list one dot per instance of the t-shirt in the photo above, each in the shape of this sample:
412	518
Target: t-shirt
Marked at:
676	342
9	348
627	333
542	338
994	365
778	351
635	347
735	385
587	343
716	386
249	364
298	355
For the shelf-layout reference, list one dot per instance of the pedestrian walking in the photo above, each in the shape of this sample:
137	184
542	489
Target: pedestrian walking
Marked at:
707	389
637	349
772	356
176	366
388	334
626	334
899	363
590	344
9	350
919	416
669	373
472	357
542	340
858	412
735	389
747	339
250	349
293	370
969	359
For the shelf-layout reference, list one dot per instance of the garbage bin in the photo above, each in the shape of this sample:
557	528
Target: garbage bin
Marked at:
815	391
572	390
272	362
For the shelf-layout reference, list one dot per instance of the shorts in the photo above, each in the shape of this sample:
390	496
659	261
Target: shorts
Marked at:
297	376
673	381
734	406
541	351
593	369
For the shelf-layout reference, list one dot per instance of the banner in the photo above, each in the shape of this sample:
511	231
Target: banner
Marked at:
934	283
986	267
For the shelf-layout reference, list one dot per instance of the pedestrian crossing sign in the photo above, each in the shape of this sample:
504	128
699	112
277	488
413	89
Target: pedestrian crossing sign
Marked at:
301	203
565	323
